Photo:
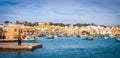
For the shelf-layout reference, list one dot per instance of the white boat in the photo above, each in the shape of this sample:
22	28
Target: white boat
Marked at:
118	39
30	37
26	38
55	36
112	36
106	37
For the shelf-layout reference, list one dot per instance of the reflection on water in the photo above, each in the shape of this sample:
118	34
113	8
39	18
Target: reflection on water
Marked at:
18	55
70	47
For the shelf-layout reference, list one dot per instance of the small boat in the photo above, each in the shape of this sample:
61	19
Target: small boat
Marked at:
26	38
86	37
106	37
35	38
89	37
117	38
111	36
83	36
49	37
60	35
30	37
76	35
41	35
55	36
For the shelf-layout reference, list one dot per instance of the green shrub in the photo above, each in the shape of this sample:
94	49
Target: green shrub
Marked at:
16	36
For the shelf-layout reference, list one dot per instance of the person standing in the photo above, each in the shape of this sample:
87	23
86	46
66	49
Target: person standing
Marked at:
19	37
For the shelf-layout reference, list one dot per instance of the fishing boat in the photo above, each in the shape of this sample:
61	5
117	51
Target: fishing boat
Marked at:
117	38
86	37
26	38
106	36
112	36
89	37
49	37
30	37
83	36
55	36
76	35
60	35
41	35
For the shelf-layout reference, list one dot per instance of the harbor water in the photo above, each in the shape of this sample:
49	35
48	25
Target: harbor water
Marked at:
69	47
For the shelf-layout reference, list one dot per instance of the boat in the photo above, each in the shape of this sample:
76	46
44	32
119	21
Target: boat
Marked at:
49	37
83	36
26	38
86	37
106	36
60	35
89	37
30	37
117	38
76	35
55	36
41	35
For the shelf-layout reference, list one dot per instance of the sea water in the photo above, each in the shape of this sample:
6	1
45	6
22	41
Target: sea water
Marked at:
69	47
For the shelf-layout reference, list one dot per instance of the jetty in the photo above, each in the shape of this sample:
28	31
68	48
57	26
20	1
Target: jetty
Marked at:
15	47
8	40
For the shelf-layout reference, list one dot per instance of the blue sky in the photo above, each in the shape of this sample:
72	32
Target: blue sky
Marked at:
101	12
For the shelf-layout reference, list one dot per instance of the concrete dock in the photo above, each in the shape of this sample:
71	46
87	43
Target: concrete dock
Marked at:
15	47
8	40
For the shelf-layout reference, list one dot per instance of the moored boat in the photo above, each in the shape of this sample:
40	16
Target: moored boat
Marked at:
89	37
49	37
30	37
117	38
41	35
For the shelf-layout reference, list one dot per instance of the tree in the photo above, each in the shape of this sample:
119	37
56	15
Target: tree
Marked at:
6	21
10	22
19	22
93	24
25	23
35	24
50	23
